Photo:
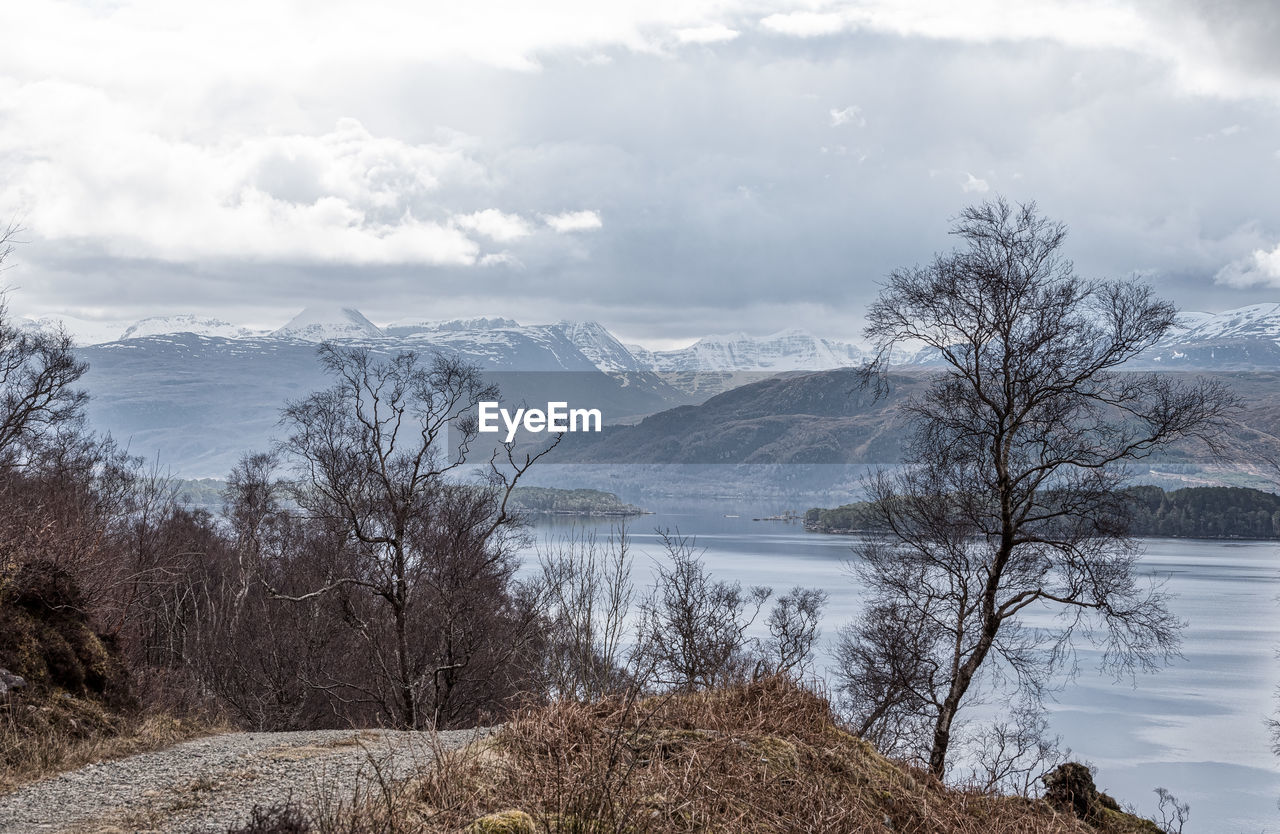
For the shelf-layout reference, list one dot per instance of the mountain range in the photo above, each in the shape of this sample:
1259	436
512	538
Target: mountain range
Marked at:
199	391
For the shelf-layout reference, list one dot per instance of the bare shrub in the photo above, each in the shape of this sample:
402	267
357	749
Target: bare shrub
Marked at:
1173	815
276	819
693	628
765	757
793	632
1013	755
587	595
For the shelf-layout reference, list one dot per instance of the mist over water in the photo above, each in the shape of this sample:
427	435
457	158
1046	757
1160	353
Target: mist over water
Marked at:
1197	728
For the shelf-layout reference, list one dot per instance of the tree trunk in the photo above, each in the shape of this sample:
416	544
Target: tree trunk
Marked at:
408	703
951	704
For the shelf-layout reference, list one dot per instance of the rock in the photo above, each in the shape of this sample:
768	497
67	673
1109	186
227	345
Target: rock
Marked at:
10	682
1070	789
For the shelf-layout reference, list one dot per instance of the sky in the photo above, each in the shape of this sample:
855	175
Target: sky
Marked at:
669	168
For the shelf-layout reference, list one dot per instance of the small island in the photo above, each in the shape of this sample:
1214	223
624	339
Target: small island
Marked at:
1190	512
584	502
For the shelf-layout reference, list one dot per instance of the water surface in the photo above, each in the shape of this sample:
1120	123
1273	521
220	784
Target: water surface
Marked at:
1197	728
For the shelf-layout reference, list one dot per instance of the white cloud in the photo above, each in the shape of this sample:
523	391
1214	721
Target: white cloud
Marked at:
974	184
80	169
1260	268
501	259
1211	51
805	24
849	115
162	43
573	221
494	224
716	33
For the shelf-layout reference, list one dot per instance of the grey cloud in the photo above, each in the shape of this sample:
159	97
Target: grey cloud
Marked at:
721	211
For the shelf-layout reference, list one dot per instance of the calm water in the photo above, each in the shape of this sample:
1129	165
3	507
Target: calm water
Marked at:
1196	728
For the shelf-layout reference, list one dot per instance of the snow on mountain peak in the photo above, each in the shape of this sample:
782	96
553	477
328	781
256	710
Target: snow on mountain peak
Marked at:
598	345
183	323
319	324
1254	321
410	326
787	350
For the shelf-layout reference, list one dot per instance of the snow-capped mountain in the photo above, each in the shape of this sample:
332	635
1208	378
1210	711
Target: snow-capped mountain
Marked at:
1257	321
322	324
201	391
600	346
1246	338
184	323
82	332
410	326
786	350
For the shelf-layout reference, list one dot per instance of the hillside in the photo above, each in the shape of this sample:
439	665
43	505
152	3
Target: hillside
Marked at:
817	418
828	418
766	757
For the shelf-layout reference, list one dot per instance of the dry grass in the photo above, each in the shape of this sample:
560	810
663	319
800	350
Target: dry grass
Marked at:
768	757
39	738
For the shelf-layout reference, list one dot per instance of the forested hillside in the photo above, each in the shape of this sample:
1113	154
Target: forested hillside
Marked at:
1192	512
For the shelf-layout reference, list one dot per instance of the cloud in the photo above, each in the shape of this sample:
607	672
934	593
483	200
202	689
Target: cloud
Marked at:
805	24
573	221
495	225
716	33
190	156
501	259
849	115
1224	49
1260	268
343	196
167	42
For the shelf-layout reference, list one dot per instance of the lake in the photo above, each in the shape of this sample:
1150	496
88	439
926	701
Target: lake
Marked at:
1197	728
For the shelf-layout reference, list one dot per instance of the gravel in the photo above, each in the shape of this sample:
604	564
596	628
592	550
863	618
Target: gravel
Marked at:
213	783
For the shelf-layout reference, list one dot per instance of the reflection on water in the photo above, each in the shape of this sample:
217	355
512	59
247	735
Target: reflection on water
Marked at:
1196	728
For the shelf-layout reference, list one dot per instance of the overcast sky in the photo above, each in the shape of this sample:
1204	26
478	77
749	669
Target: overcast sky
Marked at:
667	167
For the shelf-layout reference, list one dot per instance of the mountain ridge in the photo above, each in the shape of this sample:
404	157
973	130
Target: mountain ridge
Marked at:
1239	339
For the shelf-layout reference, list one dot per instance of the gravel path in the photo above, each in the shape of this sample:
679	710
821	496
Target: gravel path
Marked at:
210	784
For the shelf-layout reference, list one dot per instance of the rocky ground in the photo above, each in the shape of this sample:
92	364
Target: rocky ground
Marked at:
213	783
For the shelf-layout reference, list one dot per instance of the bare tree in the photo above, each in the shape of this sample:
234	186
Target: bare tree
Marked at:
378	455
588	594
38	372
1013	754
793	632
692	632
1173	814
1012	499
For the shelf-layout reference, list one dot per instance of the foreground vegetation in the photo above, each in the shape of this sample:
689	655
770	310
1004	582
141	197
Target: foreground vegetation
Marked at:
769	756
73	701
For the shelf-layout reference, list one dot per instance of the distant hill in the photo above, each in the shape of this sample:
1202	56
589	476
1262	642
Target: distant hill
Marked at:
818	418
828	418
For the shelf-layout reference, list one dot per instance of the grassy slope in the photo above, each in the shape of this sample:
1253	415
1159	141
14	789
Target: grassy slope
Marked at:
769	757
